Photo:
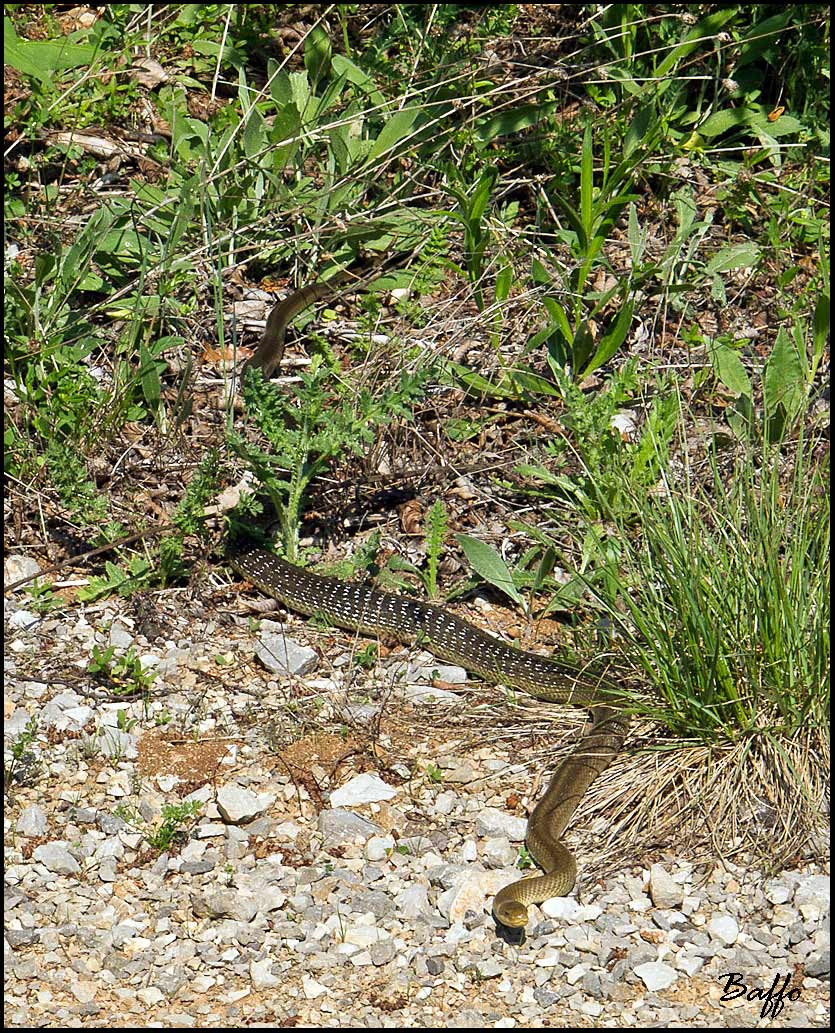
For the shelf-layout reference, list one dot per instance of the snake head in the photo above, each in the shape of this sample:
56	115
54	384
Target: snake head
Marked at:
511	913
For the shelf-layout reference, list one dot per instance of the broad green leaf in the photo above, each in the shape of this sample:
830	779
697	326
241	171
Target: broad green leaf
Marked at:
539	338
701	34
393	132
74	264
118	248
149	377
637	240
761	36
280	89
338	138
539	273
213	48
582	346
504	280
246	96
317	54
552	480
332	95
728	367
821	325
300	90
513	121
547	562
783	378
184	131
284	132
42	58
479	384
685	212
570	214
90	281
722	121
612	339
487	563
737	256
183	219
639	128
768	143
567	595
533	383
481	194
354	74
785	125
718	292
558	317
255	135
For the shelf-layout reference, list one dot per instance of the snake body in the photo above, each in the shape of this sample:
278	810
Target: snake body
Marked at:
367	610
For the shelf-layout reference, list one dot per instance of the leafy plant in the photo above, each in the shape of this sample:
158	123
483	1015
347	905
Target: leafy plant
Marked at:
41	59
525	860
41	597
603	468
367	657
189	516
79	495
436	520
52	342
24	765
305	430
174	816
572	342
472	204
787	377
488	564
436	529
123	723
122	675
117	579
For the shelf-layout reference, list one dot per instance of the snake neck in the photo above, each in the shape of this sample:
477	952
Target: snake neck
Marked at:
270	351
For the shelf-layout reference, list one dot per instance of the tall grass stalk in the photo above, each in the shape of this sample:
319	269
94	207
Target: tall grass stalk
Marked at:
727	595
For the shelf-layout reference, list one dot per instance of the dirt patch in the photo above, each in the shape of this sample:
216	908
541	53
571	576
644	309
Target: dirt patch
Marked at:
195	763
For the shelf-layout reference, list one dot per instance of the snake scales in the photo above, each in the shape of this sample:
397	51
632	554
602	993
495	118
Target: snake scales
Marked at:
365	609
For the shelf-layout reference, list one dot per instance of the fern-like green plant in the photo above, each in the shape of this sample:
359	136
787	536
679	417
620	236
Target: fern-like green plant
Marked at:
436	529
306	428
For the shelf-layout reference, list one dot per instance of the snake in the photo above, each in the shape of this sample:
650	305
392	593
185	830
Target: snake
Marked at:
362	608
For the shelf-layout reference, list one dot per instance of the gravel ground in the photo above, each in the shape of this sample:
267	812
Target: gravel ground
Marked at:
308	891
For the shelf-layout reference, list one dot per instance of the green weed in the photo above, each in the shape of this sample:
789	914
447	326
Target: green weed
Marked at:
138	575
436	530
121	675
786	378
170	830
306	428
601	468
726	592
23	766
